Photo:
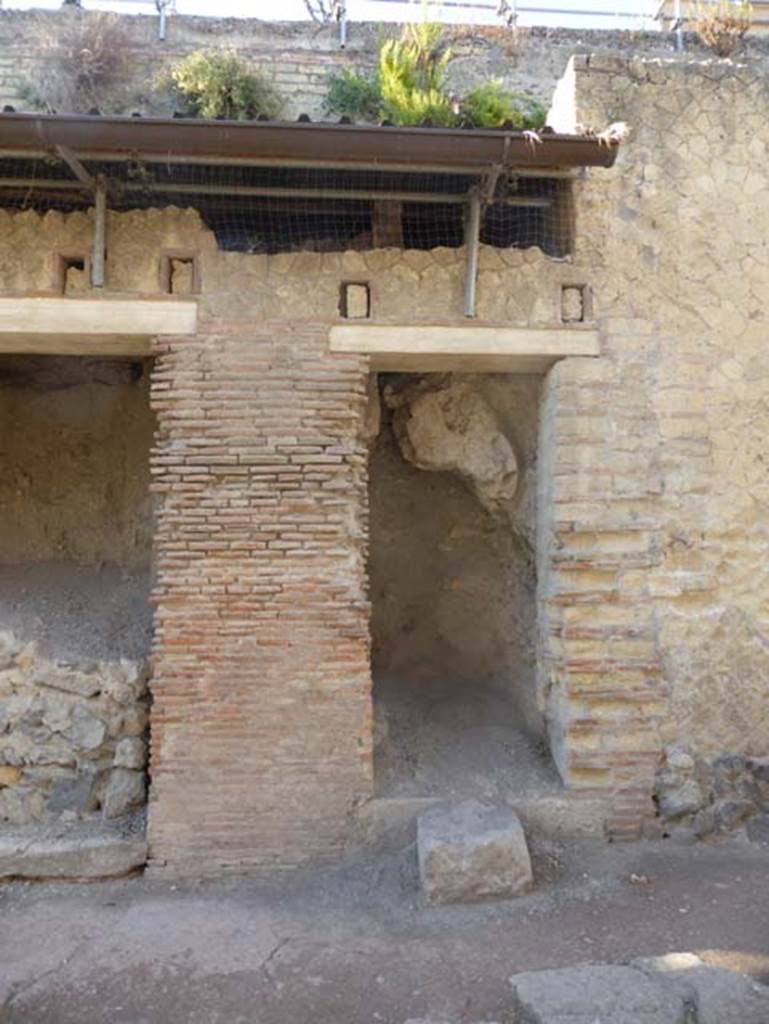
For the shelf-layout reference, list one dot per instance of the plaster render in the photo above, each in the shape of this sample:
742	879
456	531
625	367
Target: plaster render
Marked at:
75	436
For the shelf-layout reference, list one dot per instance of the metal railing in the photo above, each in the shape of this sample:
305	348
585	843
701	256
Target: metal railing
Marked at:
616	14
163	8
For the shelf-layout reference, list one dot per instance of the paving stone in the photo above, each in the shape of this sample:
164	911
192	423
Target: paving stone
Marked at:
595	994
470	852
718	996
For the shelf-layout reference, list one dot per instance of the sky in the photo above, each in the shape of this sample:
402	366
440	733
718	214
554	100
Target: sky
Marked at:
621	14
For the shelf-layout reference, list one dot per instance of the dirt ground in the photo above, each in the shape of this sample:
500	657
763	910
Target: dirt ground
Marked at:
443	737
353	944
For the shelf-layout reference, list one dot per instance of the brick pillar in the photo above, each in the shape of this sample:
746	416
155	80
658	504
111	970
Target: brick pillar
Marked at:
261	736
600	675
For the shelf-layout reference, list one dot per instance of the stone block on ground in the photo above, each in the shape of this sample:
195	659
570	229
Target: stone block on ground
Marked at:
471	852
73	851
718	995
592	993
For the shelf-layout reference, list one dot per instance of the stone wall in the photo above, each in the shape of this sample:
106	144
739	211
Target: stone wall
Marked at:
261	676
72	735
654	589
652	527
299	56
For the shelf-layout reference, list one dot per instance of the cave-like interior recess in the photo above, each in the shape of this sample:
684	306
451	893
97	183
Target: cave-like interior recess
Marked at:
452	586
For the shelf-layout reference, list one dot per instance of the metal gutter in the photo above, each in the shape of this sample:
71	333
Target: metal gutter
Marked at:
448	149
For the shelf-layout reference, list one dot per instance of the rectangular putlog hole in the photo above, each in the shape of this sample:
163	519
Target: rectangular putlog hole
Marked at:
576	303
179	273
72	273
355	300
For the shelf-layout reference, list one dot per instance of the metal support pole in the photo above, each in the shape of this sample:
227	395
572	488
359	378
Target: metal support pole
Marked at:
342	16
472	236
679	25
99	233
161	8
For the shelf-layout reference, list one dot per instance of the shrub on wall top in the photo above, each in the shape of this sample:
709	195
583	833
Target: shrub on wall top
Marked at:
410	86
491	106
218	83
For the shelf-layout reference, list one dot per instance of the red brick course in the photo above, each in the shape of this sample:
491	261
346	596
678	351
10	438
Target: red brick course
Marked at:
261	738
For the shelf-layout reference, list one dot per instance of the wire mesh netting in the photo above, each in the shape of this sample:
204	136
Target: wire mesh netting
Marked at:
269	209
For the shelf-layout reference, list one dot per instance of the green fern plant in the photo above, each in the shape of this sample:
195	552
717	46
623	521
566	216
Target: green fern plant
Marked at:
412	77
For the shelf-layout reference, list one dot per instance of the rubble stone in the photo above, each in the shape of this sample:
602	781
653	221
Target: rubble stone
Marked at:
452	429
716	795
9	774
130	753
471	852
63	725
86	731
126	790
684	799
78	794
717	995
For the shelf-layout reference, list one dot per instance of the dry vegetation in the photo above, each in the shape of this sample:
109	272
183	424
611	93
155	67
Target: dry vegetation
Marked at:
722	25
84	59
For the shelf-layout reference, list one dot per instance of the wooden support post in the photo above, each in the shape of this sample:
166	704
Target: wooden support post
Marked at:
387	225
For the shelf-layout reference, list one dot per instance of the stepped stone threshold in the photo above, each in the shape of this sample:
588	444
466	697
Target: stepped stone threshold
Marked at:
397	523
